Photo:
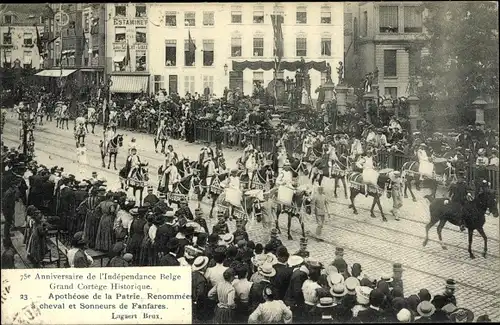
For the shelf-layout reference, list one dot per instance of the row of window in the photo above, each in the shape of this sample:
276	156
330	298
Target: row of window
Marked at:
237	17
236	50
140	61
121	34
140	11
389	20
8	62
27	39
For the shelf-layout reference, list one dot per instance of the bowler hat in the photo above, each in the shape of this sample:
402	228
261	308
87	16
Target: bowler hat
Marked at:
450	284
78	238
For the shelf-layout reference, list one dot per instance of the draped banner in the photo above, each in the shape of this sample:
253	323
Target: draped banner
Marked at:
284	65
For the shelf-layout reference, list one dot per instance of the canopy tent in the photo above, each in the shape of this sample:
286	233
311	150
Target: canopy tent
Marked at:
129	84
284	65
55	73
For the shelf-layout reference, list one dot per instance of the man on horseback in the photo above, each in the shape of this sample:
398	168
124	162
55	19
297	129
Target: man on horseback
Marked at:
132	145
133	163
80	130
173	176
171	155
113	119
109	134
369	174
285	177
459	192
161	135
204	152
211	172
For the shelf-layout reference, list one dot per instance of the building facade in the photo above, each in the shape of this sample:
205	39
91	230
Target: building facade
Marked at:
127	47
19	36
224	33
382	33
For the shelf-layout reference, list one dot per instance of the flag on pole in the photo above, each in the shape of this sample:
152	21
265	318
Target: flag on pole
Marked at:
126	60
39	43
191	47
277	22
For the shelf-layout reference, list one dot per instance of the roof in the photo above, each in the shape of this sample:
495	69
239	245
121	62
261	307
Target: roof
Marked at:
26	14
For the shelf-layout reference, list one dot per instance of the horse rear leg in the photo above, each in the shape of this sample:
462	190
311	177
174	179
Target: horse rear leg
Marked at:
278	212
114	161
376	200
408	186
335	185
483	234
163	144
156	145
344	183
427	228
354	193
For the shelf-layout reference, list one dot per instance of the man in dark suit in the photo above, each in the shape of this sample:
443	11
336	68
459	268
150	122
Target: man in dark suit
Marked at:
199	290
170	259
255	297
374	313
198	218
283	272
66	203
294	298
165	232
151	198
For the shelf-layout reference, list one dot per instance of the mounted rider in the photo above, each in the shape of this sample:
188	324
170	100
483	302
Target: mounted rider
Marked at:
113	119
204	152
459	195
285	177
171	155
282	158
369	174
133	163
173	176
211	170
109	134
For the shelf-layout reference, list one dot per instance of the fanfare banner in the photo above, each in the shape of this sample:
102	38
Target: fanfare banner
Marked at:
146	295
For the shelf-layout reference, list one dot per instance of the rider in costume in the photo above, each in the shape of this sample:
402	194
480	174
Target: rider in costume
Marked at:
458	194
173	175
285	177
109	134
209	165
91	117
113	119
133	163
422	157
132	145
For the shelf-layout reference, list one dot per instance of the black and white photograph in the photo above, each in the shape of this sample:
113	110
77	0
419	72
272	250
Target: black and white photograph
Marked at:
306	162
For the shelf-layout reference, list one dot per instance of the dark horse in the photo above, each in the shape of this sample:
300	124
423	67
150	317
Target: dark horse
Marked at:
442	174
474	211
301	199
357	186
111	150
214	191
181	189
263	178
136	182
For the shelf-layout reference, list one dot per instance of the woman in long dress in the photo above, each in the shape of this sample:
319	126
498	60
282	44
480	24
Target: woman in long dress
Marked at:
105	234
37	243
82	159
136	236
88	207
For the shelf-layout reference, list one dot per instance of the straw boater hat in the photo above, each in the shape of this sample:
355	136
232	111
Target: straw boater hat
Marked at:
267	270
325	302
363	295
226	239
387	279
134	212
295	260
334	278
426	309
200	262
338	290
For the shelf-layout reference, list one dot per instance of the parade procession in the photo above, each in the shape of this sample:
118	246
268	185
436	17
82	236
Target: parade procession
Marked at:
301	195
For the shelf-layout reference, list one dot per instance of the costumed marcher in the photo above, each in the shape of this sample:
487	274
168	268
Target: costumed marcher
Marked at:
233	191
82	159
132	145
113	119
211	172
91	118
170	177
425	168
369	174
396	193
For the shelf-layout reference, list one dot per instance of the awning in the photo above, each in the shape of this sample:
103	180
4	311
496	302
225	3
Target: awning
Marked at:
284	65
129	84
119	58
55	73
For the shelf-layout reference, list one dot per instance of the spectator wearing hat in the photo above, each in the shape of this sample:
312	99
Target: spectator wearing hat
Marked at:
212	244
294	296
198	218
225	294
184	211
231	253
493	161
240	232
362	299
199	285
215	274
271	310
425	309
221	227
449	292
136	234
165	232
151	198
8	254
341	310
324	310
341	265
374	313
404	316
440	315
483	319
170	259
123	220
148	255
77	257
226	240
242	287
283	272
302	252
66	203
351	284
267	272
117	256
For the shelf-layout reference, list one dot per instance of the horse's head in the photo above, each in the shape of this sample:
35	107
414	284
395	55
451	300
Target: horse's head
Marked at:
119	139
488	199
143	172
222	163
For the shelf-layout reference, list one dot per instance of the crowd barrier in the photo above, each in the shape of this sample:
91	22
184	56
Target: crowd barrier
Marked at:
386	159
